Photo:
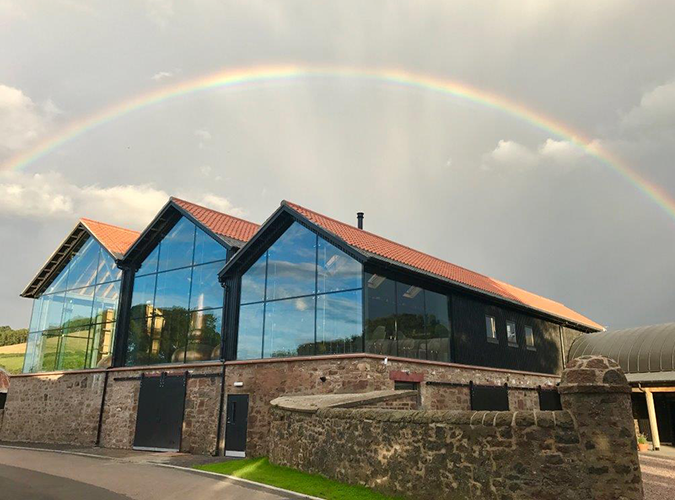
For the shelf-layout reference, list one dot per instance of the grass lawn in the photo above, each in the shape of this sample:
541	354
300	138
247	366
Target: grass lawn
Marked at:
261	470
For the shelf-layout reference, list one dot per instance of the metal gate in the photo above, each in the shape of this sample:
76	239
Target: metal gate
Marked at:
236	425
159	421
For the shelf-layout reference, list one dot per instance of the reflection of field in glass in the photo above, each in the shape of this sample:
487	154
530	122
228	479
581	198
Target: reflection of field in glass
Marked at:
73	348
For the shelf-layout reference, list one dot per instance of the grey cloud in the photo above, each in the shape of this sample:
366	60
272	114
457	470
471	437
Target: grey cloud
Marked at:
568	227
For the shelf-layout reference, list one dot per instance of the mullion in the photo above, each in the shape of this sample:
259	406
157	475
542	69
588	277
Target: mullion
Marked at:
192	281
267	262
316	287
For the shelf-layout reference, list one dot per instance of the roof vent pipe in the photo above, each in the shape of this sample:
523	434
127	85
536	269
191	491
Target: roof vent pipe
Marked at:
359	218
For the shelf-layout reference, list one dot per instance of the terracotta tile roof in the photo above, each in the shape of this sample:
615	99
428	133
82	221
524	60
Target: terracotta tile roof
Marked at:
116	239
218	222
382	247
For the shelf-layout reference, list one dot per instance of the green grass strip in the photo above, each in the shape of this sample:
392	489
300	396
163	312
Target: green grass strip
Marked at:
262	471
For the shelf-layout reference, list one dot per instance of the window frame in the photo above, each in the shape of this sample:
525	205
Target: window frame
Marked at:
492	321
529	346
156	273
514	342
65	332
314	296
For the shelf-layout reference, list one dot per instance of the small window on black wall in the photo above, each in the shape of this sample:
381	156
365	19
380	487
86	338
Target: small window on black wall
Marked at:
511	333
529	338
491	329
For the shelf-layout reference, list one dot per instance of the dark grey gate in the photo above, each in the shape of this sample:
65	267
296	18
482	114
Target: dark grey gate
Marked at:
159	421
236	425
489	397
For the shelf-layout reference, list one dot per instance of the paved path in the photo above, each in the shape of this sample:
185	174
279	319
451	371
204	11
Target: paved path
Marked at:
658	477
38	475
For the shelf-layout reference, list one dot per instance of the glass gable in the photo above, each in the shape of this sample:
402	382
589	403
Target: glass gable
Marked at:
302	297
177	300
72	325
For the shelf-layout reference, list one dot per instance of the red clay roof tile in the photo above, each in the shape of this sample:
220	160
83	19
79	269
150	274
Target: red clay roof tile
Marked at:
116	239
218	222
402	254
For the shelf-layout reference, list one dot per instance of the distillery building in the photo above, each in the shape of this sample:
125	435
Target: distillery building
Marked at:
203	318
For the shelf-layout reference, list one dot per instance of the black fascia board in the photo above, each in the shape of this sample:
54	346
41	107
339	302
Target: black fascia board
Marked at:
225	241
167	217
47	274
376	262
278	222
144	240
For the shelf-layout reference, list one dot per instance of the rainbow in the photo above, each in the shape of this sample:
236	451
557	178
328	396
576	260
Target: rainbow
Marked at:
394	77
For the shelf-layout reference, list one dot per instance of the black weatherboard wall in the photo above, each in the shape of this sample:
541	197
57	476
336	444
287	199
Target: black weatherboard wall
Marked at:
471	346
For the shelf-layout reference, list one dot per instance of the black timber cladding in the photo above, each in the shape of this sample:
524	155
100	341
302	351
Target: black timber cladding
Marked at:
471	346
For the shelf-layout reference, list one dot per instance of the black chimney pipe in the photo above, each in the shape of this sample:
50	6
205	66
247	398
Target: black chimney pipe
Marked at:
359	218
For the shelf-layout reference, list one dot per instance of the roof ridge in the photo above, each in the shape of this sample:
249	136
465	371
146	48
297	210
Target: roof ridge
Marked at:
86	219
506	289
175	198
397	243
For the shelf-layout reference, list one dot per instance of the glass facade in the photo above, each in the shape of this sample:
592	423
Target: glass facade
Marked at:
302	297
406	320
73	323
176	304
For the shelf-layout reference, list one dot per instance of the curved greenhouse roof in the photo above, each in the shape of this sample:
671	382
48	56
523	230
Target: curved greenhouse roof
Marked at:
646	353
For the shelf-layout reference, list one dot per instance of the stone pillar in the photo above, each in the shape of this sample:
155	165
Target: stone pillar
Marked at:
595	391
653	423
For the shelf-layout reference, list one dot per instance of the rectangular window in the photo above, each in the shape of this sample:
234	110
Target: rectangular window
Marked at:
511	333
380	315
437	325
289	328
338	323
529	337
491	328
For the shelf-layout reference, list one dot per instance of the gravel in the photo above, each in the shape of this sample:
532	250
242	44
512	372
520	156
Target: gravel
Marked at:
658	477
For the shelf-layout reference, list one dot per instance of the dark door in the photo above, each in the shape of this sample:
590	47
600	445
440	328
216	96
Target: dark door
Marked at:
159	421
235	425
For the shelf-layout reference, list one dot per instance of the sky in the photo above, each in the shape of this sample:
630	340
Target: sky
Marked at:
469	183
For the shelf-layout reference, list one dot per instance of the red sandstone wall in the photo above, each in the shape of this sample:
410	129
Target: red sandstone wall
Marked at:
267	380
200	420
56	408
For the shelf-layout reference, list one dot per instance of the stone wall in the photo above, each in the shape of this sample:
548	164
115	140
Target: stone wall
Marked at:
64	407
55	408
266	380
200	418
586	451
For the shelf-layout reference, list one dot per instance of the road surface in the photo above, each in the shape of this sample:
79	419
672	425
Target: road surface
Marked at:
38	475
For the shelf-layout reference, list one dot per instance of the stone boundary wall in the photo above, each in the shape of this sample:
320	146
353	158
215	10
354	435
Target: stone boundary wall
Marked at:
266	380
587	451
54	408
64	407
200	417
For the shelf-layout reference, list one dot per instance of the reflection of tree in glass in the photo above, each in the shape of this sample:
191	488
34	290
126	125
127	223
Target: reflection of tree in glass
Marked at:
173	335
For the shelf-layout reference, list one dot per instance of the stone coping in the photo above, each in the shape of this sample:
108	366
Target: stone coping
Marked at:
313	403
365	355
533	418
170	366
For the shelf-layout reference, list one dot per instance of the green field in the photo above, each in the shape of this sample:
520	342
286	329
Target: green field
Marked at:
261	470
13	363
